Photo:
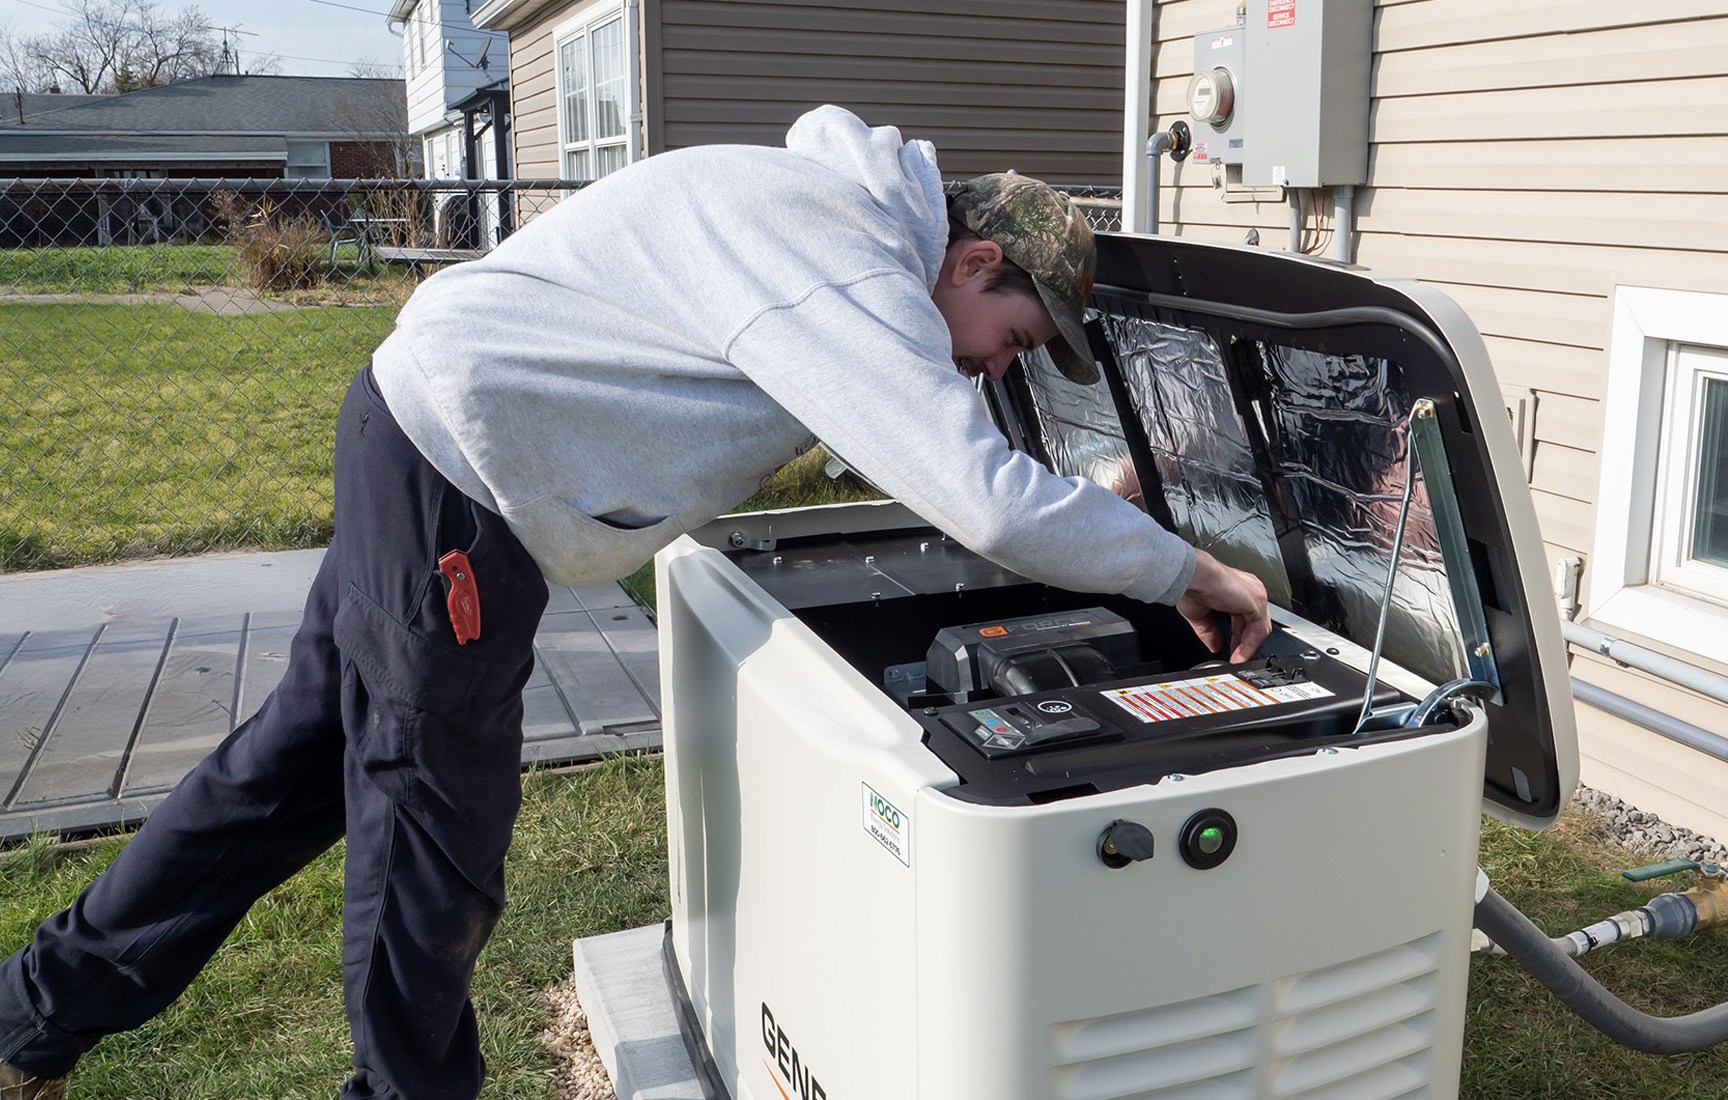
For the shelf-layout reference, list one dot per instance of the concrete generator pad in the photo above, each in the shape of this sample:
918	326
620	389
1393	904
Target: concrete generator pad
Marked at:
631	1016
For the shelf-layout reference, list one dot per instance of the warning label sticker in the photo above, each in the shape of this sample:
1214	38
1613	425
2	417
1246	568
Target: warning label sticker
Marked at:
1204	695
1280	13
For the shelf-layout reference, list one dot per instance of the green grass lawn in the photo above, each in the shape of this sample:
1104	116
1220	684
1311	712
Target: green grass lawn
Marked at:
136	430
1521	1043
265	1018
117	269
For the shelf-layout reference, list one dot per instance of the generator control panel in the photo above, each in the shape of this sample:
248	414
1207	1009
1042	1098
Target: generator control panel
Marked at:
1087	715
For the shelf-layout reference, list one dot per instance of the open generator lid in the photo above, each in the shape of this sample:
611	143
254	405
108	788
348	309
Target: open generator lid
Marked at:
1265	406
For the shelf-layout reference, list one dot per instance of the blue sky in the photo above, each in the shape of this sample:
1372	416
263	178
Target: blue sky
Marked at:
312	38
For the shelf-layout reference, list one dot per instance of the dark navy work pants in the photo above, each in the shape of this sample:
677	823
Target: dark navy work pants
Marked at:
383	728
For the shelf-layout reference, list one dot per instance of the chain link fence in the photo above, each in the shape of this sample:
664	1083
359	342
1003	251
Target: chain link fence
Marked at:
173	352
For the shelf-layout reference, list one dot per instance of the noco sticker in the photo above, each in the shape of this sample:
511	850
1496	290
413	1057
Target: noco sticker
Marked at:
888	824
1205	695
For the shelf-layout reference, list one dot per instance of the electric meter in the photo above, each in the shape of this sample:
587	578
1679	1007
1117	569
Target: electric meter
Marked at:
1212	97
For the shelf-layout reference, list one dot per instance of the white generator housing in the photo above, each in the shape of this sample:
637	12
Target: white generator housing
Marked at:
873	898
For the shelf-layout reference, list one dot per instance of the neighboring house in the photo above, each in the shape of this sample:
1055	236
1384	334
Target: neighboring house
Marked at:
232	127
1527	158
458	82
298	127
1033	86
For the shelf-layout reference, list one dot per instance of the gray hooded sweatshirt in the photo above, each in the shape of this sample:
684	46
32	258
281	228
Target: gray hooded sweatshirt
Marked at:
645	355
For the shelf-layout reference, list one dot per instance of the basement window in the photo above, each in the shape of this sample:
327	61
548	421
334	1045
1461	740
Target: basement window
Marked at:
1690	533
1660	562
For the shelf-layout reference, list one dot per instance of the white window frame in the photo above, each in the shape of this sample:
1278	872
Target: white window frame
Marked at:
432	39
583	25
1648	448
1671	562
411	45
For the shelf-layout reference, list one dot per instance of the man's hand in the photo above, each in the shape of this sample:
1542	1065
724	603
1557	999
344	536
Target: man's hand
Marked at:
1217	587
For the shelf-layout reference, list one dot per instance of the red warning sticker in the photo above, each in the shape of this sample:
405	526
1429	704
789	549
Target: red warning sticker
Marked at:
1204	695
1280	13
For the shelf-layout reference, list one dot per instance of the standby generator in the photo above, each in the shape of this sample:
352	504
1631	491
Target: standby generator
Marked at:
942	832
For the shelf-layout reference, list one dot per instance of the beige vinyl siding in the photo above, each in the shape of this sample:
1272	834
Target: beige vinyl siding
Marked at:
1527	157
534	98
1034	85
1677	783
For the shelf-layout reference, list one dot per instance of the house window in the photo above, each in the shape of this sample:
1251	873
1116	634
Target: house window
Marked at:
1690	529
411	41
1660	562
308	160
595	95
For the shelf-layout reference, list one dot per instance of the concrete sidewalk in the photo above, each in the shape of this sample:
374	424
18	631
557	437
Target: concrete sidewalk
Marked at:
115	680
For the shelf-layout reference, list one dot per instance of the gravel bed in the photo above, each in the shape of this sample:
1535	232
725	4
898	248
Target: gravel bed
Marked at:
1646	834
579	1076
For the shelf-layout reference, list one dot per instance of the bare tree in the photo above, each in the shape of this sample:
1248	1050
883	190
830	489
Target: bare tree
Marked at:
120	45
85	51
263	64
165	48
19	68
371	67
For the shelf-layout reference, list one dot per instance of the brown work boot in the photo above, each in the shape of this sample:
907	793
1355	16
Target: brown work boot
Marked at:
15	1084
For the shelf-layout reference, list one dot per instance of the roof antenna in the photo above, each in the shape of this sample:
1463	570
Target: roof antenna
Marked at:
234	51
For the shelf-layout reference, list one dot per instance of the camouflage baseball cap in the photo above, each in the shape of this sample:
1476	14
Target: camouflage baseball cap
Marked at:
1039	230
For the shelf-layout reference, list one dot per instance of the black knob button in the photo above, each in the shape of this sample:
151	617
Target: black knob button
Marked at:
1124	842
1207	839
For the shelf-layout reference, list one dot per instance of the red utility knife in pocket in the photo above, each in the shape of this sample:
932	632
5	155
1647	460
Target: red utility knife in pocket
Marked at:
464	598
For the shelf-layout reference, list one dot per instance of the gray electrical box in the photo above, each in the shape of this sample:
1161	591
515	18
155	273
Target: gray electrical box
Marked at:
1215	96
1306	123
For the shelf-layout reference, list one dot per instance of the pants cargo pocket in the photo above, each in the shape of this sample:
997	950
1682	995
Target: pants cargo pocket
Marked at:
428	729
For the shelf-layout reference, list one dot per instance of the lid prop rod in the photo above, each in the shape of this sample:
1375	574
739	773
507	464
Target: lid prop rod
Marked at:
1391	575
1427	450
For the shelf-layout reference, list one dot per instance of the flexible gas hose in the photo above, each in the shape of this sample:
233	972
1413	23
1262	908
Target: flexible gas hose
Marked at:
1577	990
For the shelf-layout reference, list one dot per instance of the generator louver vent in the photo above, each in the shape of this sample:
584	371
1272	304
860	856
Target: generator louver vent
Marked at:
1362	1029
1359	1029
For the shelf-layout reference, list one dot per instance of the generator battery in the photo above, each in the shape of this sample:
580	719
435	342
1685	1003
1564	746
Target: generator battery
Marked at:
1030	653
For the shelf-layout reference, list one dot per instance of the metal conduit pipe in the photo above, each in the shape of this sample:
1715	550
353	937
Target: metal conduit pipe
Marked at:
1577	990
1343	223
1645	660
1141	22
1156	146
1675	729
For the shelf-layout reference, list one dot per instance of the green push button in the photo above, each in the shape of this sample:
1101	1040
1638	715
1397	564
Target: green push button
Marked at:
1207	839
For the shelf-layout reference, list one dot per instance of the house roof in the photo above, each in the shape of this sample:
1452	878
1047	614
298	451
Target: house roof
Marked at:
143	148
510	15
32	104
276	105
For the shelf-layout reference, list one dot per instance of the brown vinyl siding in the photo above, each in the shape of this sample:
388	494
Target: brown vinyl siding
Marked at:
1526	158
1024	84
